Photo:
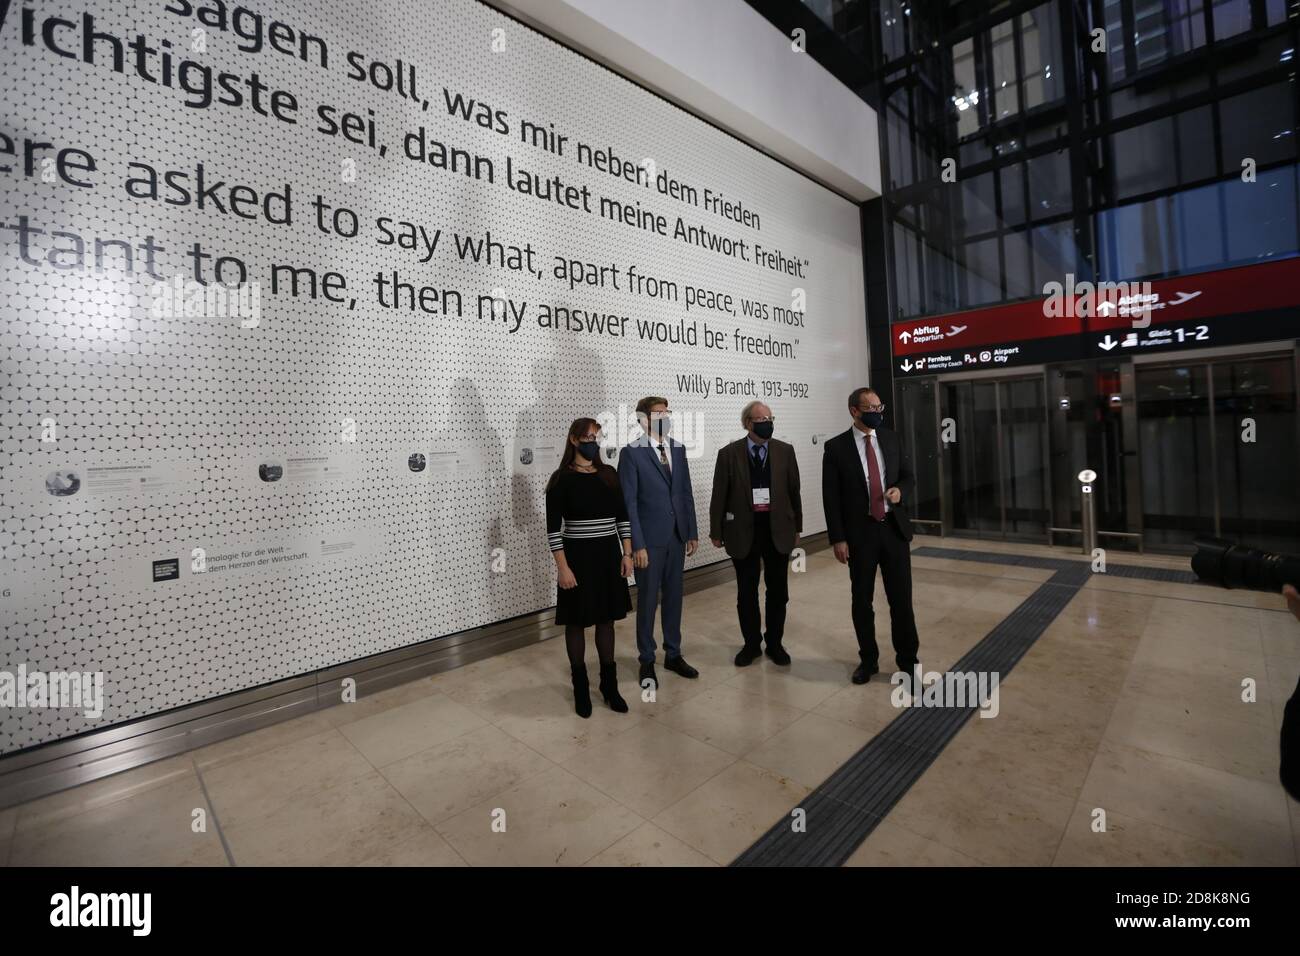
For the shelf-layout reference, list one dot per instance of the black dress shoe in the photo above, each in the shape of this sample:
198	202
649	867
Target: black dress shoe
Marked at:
778	655
748	655
678	665
864	673
648	672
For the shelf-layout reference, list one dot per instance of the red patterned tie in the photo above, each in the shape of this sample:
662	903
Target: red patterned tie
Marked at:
873	479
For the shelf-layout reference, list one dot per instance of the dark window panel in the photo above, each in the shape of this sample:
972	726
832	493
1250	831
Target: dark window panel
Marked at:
1054	253
1043	76
1269	53
1003	75
982	273
1231	17
1164	154
978	211
1260	125
1019	270
1261	216
1013	194
1049	185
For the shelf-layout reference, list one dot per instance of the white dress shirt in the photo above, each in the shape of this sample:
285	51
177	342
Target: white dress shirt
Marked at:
863	441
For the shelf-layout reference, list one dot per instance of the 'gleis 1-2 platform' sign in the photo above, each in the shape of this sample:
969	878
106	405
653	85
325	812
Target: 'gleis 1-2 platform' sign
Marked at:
1255	303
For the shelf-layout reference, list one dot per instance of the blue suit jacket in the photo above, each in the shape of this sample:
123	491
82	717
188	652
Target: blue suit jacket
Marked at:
655	506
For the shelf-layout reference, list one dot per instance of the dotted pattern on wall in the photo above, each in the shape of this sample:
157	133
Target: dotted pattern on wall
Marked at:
168	428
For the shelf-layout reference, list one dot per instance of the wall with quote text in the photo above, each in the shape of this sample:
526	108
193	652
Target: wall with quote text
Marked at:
299	299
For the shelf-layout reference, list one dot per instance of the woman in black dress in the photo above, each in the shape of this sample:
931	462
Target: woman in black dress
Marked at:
591	540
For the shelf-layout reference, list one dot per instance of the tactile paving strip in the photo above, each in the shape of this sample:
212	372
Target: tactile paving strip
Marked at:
842	812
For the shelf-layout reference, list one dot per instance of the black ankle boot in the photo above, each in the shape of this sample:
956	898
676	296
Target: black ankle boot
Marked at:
609	688
581	692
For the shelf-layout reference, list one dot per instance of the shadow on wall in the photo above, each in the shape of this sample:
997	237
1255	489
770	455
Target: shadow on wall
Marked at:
469	523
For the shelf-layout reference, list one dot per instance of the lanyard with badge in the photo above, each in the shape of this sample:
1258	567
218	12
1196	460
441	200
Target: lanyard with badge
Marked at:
762	500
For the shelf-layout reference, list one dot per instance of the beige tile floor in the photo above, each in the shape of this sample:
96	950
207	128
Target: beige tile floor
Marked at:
1128	710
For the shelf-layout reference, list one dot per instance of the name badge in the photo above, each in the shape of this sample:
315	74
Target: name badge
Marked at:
762	499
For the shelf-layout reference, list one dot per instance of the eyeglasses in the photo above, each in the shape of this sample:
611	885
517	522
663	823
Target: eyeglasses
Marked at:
871	408
769	418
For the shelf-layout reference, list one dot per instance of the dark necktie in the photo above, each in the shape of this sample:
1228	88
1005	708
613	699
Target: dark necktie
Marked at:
873	479
663	458
758	457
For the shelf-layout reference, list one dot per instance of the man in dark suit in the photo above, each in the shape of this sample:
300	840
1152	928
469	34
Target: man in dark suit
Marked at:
756	512
867	482
661	509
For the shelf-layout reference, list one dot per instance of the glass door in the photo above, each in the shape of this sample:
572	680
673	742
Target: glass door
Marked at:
1218	451
1022	422
973	457
918	426
1173	410
997	467
1255	450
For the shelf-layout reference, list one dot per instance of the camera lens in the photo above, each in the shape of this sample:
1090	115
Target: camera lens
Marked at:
1232	566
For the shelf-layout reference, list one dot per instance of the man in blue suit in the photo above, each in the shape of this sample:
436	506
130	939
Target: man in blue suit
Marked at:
661	507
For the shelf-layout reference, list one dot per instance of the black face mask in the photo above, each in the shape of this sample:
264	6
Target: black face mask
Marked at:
872	420
763	430
589	450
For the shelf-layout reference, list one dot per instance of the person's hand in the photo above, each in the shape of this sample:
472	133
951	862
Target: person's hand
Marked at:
796	539
841	551
1292	599
567	580
625	566
691	546
717	542
641	558
893	495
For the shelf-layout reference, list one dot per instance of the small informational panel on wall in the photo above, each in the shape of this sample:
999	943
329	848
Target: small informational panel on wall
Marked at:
300	299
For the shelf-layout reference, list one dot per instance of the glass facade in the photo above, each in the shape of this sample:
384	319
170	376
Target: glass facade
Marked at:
1075	151
1111	141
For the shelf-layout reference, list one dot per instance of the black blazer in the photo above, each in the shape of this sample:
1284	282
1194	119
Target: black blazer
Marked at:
731	513
844	486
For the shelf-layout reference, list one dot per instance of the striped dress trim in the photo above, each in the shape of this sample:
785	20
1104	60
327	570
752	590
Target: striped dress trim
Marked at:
589	528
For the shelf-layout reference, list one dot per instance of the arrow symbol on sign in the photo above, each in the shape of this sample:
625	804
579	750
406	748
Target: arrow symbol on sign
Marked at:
1107	343
904	335
906	366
